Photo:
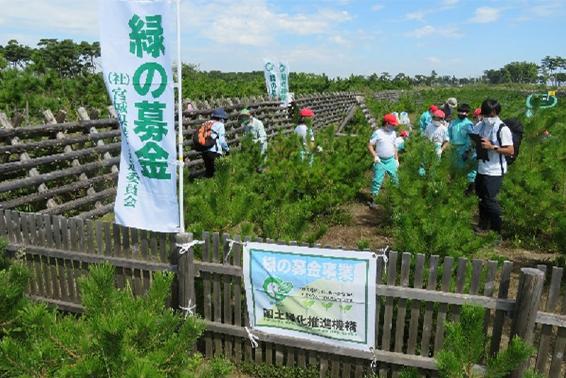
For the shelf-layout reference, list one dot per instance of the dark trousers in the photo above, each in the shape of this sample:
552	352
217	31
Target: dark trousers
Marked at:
487	188
208	157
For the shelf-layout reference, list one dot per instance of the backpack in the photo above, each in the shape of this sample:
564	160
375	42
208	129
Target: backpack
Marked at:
516	132
202	137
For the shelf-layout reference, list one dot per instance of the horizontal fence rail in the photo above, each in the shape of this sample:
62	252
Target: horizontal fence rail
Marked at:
416	294
55	168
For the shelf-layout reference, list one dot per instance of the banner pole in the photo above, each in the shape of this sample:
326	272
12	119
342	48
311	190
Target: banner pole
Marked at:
180	119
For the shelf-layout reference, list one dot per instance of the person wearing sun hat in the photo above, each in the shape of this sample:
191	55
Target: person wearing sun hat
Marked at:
426	117
220	147
449	106
254	127
437	132
383	150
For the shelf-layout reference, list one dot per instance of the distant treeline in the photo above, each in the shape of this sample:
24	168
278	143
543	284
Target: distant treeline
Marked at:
63	74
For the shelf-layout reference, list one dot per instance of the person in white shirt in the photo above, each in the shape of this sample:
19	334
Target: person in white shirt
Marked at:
437	132
305	133
496	143
383	150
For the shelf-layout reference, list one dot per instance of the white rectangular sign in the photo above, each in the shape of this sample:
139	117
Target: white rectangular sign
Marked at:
136	39
320	295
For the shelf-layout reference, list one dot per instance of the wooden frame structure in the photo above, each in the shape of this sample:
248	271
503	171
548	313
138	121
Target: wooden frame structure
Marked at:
416	294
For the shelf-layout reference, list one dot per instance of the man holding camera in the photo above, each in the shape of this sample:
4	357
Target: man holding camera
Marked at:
494	141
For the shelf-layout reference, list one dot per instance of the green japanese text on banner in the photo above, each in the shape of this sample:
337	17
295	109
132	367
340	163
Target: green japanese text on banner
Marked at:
135	38
320	295
271	73
283	71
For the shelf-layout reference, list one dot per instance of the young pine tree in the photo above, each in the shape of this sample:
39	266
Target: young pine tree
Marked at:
118	335
465	346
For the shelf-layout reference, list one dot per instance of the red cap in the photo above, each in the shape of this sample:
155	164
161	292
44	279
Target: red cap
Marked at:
439	114
306	112
404	134
477	112
390	119
433	108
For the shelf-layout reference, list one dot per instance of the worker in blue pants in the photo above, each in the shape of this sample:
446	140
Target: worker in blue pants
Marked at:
458	132
384	153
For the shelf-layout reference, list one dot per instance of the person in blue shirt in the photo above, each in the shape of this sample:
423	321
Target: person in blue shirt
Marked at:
209	156
426	117
459	131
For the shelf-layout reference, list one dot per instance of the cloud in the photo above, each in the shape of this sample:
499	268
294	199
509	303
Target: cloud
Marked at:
55	16
449	3
433	60
416	16
431	31
542	9
419	15
255	23
377	7
339	40
484	15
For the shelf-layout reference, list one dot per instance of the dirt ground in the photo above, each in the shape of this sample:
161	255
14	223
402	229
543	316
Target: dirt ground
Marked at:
367	224
366	227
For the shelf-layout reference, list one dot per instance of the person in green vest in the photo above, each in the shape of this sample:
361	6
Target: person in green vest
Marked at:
459	131
254	127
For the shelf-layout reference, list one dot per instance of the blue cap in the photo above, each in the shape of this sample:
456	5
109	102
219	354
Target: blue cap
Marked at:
219	113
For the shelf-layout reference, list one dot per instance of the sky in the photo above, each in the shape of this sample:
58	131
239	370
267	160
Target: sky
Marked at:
336	37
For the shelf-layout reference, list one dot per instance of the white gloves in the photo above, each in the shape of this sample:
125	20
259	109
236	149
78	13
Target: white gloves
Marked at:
376	159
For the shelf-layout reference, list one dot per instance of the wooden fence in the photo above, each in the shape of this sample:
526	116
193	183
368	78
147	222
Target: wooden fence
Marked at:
71	168
416	294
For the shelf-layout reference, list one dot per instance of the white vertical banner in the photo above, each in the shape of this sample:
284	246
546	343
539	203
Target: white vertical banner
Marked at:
136	37
283	73
271	72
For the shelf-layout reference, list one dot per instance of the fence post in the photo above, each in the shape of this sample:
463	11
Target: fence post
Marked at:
526	307
185	271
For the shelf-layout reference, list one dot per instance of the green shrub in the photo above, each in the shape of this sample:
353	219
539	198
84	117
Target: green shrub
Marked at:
430	214
119	335
465	346
534	192
270	371
290	200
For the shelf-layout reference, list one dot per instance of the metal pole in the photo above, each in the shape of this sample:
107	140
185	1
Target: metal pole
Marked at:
180	118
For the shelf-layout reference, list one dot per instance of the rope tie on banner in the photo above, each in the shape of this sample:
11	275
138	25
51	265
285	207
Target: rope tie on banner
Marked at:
383	255
184	248
253	338
373	363
231	243
189	310
180	163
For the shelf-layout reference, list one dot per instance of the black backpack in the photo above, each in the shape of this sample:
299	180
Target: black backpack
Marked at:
516	132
